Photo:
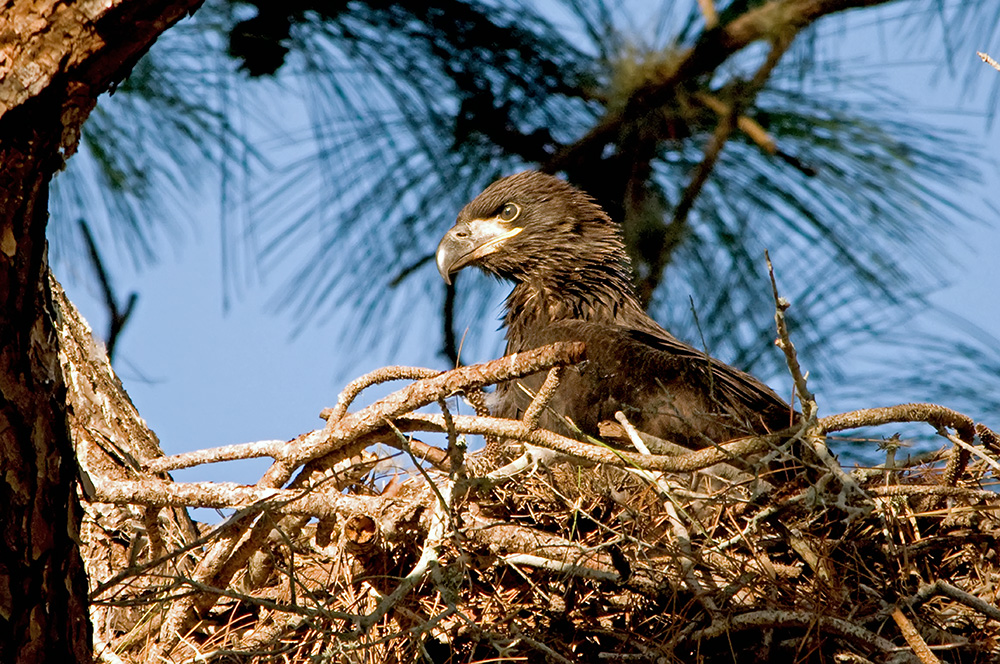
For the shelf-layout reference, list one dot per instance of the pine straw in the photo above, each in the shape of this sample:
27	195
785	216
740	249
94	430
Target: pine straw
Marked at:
575	562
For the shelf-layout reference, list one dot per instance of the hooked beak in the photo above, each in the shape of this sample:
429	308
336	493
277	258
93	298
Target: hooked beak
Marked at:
469	241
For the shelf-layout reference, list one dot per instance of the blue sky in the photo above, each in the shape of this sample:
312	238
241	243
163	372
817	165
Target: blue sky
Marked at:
203	376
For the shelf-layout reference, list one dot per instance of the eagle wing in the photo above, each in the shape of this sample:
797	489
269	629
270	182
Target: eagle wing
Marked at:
665	387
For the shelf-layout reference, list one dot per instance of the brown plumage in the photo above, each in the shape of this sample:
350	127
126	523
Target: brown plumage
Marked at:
572	282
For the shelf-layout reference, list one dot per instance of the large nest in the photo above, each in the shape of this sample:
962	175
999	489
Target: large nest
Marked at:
363	544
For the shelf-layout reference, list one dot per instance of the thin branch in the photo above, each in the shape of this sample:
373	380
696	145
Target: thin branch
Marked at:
931	413
254	450
988	60
747	125
545	393
383	375
942	587
213	534
542	648
971	449
117	314
809	431
520	545
686	561
933	490
410	269
514	429
989	438
404	444
214	494
806	398
561	567
280	607
757	620
913	638
349	428
221	495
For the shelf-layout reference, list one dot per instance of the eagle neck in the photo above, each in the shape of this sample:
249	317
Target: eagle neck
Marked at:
587	295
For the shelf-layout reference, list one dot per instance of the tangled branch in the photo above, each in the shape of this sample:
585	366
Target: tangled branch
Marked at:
345	550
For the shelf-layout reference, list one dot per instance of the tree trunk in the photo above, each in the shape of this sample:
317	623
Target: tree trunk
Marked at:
43	591
56	57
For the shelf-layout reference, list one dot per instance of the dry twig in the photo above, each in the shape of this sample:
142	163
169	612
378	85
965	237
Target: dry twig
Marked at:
988	60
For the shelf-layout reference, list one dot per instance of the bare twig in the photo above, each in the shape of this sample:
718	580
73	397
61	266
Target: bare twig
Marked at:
211	535
456	446
803	619
504	537
781	305
933	490
747	125
988	60
958	461
561	567
935	415
542	648
913	638
972	449
349	428
265	603
404	442
254	450
942	587
514	429
221	495
537	406
118	315
809	431
383	375
989	438
633	434
532	457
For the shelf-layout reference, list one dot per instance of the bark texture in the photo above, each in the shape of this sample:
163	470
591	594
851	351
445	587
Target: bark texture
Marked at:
56	57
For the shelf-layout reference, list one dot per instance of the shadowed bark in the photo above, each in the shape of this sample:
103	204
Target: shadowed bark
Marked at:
55	59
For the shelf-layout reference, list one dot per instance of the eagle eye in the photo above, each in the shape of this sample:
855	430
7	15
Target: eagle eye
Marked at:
509	212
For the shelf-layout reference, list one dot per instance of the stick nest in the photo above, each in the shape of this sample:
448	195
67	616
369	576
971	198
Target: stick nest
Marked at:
383	548
361	543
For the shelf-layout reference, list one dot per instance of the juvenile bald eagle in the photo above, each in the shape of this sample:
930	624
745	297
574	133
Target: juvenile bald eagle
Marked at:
572	282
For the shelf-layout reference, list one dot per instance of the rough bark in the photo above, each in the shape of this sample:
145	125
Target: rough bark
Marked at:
112	443
56	57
